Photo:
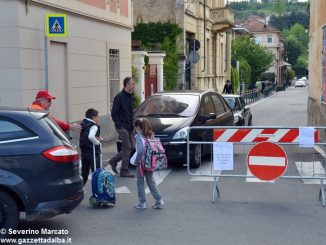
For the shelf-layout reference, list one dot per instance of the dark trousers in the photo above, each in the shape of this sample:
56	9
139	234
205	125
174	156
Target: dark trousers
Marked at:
127	146
87	159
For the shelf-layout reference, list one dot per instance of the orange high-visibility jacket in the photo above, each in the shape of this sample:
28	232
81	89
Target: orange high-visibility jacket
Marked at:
63	125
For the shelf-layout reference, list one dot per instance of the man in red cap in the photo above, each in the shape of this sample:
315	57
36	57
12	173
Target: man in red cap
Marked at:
43	101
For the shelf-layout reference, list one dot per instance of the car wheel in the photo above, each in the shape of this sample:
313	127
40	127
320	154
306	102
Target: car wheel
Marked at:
195	156
9	212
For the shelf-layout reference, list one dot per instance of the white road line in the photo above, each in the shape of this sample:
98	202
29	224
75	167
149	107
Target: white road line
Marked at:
251	105
320	150
118	190
159	177
205	169
122	190
315	169
256	180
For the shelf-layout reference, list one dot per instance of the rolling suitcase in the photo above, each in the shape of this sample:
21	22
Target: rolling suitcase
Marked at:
102	185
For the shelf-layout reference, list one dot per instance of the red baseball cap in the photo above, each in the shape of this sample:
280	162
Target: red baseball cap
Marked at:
44	94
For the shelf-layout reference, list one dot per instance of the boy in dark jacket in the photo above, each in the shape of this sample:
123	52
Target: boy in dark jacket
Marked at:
89	136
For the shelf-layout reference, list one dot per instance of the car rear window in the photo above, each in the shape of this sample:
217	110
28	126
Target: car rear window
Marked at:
12	131
169	104
47	122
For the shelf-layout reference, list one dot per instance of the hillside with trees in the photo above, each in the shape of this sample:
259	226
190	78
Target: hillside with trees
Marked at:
294	12
291	18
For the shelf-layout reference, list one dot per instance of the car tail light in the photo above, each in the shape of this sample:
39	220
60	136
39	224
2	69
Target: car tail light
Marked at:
61	154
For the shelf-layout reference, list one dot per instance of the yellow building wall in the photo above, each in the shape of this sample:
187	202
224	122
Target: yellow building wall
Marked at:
210	73
316	108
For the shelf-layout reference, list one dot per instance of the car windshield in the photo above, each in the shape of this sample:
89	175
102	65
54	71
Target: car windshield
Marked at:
183	105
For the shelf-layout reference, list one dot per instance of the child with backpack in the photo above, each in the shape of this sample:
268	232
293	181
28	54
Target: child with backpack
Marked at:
144	131
89	137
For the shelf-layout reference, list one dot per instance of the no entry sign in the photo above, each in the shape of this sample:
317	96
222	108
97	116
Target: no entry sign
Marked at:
267	161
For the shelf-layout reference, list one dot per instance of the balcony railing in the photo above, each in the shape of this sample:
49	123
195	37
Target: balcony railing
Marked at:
222	16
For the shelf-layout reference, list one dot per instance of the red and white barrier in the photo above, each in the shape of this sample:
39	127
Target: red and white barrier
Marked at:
247	135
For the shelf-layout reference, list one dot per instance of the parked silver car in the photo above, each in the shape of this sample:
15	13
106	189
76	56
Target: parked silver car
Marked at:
242	113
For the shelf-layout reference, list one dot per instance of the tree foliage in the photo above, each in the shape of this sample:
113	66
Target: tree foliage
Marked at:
287	20
235	79
290	73
150	33
279	7
270	76
243	9
245	72
294	49
299	32
297	40
166	35
258	57
170	64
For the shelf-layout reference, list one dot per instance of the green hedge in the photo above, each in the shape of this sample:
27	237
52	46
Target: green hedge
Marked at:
165	34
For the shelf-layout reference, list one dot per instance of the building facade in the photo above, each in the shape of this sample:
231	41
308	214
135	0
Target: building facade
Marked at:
317	64
269	37
207	21
84	69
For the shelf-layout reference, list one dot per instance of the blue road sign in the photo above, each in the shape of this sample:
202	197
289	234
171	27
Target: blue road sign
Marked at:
56	25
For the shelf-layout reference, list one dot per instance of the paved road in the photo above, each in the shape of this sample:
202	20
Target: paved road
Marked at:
284	212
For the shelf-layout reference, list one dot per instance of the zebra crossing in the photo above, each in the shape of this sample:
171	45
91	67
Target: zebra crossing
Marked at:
304	169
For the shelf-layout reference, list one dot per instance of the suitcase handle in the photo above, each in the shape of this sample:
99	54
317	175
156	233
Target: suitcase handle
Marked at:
94	156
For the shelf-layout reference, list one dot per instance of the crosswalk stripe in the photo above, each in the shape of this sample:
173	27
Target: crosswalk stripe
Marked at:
159	177
254	179
320	150
118	190
205	169
122	190
310	169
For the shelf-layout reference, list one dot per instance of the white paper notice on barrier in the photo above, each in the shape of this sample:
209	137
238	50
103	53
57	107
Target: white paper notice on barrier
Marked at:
222	156
306	137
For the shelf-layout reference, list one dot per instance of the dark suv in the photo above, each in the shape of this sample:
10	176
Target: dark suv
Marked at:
172	113
39	168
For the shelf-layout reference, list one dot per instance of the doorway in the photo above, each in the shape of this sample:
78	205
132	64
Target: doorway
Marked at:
58	79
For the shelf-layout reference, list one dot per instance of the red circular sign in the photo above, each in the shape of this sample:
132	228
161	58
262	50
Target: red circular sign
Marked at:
267	161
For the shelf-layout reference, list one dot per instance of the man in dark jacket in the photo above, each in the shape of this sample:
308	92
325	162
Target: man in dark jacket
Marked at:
122	116
228	88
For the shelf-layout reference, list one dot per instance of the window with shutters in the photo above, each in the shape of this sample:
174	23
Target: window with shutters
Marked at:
323	97
114	73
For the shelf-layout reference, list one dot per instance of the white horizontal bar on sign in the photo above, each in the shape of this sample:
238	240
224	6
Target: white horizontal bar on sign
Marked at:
267	161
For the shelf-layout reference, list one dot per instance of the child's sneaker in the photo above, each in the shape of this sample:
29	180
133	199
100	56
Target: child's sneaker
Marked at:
141	205
158	204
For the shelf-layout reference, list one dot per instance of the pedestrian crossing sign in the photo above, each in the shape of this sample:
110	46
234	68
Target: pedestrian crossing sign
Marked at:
56	25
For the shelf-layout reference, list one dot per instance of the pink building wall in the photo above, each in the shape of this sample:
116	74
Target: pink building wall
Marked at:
113	6
95	3
124	8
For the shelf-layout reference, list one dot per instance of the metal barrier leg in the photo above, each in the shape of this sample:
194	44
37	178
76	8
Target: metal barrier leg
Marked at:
322	193
215	190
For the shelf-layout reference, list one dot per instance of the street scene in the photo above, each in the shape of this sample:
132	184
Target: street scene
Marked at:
246	213
142	122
